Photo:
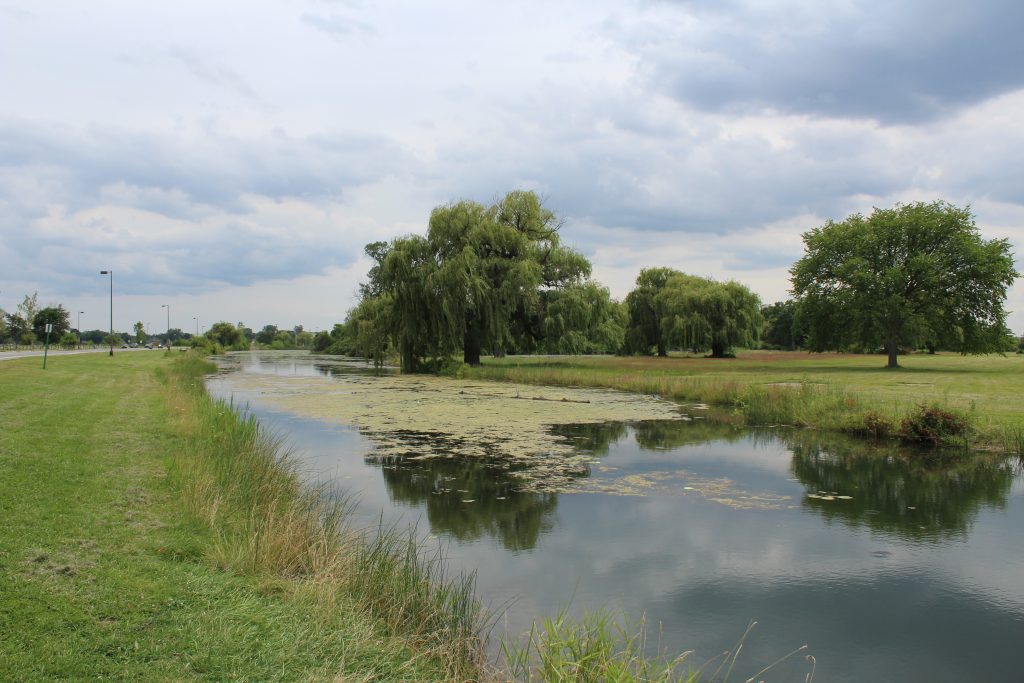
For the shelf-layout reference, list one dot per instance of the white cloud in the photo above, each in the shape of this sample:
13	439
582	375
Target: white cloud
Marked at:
191	158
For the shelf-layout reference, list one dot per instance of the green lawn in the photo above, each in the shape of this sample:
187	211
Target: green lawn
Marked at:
103	576
989	388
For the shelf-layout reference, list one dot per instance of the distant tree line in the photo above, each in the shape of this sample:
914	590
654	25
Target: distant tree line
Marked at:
497	280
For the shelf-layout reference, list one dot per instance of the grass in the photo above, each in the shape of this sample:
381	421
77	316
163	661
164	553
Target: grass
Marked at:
826	391
131	550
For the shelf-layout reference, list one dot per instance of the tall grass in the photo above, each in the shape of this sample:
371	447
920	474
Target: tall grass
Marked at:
602	647
239	481
794	403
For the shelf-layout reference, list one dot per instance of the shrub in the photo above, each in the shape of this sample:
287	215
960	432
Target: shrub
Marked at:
876	426
933	425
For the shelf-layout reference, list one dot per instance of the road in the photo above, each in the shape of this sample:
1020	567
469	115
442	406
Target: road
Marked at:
10	355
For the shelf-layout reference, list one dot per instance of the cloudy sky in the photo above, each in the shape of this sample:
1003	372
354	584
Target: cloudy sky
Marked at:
231	159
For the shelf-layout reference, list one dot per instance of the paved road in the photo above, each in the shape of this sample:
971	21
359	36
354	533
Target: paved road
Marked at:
10	355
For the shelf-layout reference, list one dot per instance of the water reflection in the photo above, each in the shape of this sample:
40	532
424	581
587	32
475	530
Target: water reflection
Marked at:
470	499
886	489
898	491
875	595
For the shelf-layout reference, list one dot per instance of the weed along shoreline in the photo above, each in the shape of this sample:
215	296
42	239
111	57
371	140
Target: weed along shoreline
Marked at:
941	399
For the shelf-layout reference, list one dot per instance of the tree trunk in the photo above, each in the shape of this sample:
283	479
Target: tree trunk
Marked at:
662	351
893	349
472	342
717	350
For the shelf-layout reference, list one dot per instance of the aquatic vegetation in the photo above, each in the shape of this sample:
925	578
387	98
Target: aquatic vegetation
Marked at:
419	417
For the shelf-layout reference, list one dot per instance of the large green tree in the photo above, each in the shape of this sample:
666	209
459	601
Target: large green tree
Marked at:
700	313
227	335
782	329
645	331
476	279
583	318
903	275
51	315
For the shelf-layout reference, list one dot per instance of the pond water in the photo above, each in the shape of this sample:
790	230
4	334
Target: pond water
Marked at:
888	568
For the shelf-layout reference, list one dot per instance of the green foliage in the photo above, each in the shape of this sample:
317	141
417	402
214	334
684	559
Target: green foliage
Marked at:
28	307
700	314
69	339
645	316
782	329
53	315
18	330
934	426
583	319
476	281
902	276
227	336
267	334
140	332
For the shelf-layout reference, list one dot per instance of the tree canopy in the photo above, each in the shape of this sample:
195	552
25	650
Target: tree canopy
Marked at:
474	282
902	276
645	329
57	316
672	309
701	314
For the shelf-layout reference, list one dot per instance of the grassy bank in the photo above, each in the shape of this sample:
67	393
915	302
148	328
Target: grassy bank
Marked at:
110	567
151	533
827	391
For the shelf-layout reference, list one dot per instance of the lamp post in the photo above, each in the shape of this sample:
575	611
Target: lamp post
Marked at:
111	274
80	328
168	307
196	318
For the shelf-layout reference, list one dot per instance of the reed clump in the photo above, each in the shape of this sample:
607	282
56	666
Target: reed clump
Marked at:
240	482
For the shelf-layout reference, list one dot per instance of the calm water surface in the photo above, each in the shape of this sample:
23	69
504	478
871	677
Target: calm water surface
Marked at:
919	576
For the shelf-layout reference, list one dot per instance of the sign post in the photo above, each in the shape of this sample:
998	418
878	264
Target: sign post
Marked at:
46	346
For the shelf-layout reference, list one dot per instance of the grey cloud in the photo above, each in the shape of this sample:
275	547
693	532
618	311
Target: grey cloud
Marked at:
209	184
215	171
891	62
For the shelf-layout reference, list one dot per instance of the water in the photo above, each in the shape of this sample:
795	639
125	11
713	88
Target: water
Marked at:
918	576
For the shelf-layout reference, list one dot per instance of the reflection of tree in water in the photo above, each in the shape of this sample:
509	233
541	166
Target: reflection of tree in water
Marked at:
663	435
596	438
593	438
896	490
517	518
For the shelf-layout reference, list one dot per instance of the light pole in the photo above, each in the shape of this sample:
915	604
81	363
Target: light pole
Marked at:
196	318
168	307
80	328
111	274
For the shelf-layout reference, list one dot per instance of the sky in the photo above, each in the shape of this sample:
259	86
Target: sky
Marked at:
231	159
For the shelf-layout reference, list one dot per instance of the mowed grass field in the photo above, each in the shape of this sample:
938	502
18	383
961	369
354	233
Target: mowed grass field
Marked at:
831	391
104	573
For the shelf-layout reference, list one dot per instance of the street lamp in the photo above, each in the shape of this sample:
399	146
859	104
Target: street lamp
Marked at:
168	307
80	328
196	318
111	274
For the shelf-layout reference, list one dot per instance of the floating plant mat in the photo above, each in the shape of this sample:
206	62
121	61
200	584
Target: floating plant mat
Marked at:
720	490
422	417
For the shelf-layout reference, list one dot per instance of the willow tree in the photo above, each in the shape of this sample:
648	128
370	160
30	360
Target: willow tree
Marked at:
701	314
474	279
902	276
645	330
583	318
